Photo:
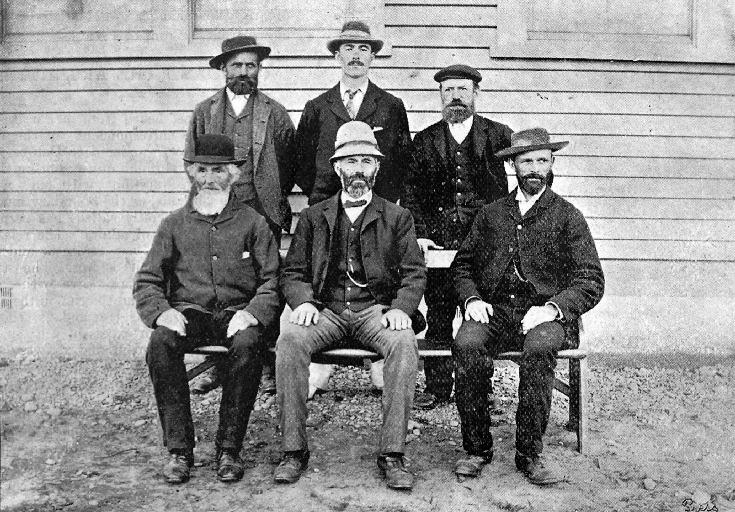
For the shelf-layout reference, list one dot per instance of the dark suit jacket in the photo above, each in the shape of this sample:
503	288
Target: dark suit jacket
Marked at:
274	150
429	191
394	265
317	131
555	247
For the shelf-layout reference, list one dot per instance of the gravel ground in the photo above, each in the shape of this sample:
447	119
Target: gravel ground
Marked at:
83	435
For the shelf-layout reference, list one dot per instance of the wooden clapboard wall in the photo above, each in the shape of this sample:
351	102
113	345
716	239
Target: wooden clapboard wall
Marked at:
90	149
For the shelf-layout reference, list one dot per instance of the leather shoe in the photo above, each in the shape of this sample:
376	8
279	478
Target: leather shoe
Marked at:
206	383
395	473
539	470
176	470
291	466
427	401
229	467
471	466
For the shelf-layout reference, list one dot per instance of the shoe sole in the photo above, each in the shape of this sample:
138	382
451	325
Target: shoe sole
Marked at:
176	481
286	480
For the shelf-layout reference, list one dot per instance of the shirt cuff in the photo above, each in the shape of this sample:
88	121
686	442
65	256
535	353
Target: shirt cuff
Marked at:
474	297
559	314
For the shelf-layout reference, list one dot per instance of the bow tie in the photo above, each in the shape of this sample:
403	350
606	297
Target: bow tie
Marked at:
354	204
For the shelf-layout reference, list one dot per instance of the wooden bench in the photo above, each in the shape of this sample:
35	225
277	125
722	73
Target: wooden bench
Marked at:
575	390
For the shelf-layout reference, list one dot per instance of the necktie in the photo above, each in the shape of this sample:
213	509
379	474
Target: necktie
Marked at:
354	204
350	104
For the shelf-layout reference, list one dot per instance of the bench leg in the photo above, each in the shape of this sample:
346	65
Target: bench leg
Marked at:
578	401
201	367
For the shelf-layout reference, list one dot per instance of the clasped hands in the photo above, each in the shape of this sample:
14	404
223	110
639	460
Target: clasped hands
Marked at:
480	311
307	314
176	321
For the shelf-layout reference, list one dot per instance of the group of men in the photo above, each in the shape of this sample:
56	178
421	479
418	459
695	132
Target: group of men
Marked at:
525	270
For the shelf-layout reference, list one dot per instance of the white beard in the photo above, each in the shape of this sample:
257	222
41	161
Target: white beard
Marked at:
210	202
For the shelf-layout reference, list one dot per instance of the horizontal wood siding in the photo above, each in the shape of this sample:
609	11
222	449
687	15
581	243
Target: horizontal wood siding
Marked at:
90	150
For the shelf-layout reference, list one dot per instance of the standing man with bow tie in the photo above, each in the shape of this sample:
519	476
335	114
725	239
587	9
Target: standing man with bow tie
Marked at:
354	269
354	97
454	173
264	138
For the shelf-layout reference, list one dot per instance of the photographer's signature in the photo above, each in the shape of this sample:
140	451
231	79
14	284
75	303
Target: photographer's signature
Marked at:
690	506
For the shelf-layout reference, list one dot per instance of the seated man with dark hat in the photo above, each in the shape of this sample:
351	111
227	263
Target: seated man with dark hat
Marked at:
524	275
354	271
210	278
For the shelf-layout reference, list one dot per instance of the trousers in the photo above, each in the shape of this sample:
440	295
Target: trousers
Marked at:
293	354
475	342
240	378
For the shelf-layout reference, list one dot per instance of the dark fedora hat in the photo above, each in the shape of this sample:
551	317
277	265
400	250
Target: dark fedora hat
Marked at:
355	32
458	71
212	148
239	44
530	140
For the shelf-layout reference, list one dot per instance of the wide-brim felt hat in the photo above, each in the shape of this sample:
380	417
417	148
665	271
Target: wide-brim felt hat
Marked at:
530	140
239	44
355	138
211	148
355	32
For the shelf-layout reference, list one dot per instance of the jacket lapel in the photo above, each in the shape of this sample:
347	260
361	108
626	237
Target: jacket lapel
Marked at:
336	105
372	212
479	133
369	103
543	202
217	112
511	206
440	142
330	211
261	112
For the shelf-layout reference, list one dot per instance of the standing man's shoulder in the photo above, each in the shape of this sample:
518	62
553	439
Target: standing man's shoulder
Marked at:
499	128
206	103
323	98
384	95
273	103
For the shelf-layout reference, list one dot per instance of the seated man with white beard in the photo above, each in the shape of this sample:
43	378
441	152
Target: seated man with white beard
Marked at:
354	271
210	278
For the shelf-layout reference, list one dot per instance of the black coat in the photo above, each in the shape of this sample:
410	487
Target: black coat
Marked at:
431	184
317	132
555	248
393	263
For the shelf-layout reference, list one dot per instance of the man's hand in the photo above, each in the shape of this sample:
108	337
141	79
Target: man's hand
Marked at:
305	314
395	320
240	321
479	311
426	243
538	315
173	320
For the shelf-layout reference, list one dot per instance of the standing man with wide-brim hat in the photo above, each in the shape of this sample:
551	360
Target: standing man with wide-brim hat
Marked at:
264	139
454	173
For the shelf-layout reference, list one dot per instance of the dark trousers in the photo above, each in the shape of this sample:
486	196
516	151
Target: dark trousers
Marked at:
441	304
240	379
475	342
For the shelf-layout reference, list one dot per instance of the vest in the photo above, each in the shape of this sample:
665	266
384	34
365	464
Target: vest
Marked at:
342	290
240	130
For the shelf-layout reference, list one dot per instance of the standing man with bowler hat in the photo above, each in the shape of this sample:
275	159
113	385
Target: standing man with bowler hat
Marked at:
353	270
210	278
524	275
454	173
354	97
264	138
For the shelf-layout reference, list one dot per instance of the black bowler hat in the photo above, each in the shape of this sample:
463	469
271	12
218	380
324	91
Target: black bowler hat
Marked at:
239	44
212	148
458	71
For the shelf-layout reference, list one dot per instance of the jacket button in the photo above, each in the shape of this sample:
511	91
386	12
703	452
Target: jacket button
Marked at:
214	258
520	227
510	249
214	228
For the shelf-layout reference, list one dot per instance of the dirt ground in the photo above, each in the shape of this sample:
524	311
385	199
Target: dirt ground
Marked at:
83	435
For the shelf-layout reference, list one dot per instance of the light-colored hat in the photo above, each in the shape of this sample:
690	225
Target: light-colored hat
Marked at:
355	138
530	140
355	32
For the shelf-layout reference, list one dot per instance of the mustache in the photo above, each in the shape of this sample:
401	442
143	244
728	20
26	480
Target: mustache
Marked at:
533	175
349	180
355	62
457	103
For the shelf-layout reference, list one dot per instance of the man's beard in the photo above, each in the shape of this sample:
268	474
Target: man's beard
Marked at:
532	183
357	185
456	112
242	84
210	202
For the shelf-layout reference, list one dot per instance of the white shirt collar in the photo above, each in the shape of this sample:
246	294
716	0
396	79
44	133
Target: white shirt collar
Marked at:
460	130
354	212
526	204
238	101
343	88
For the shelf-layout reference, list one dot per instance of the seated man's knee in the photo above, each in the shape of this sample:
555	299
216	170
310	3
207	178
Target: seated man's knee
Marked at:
545	338
470	338
247	342
161	342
